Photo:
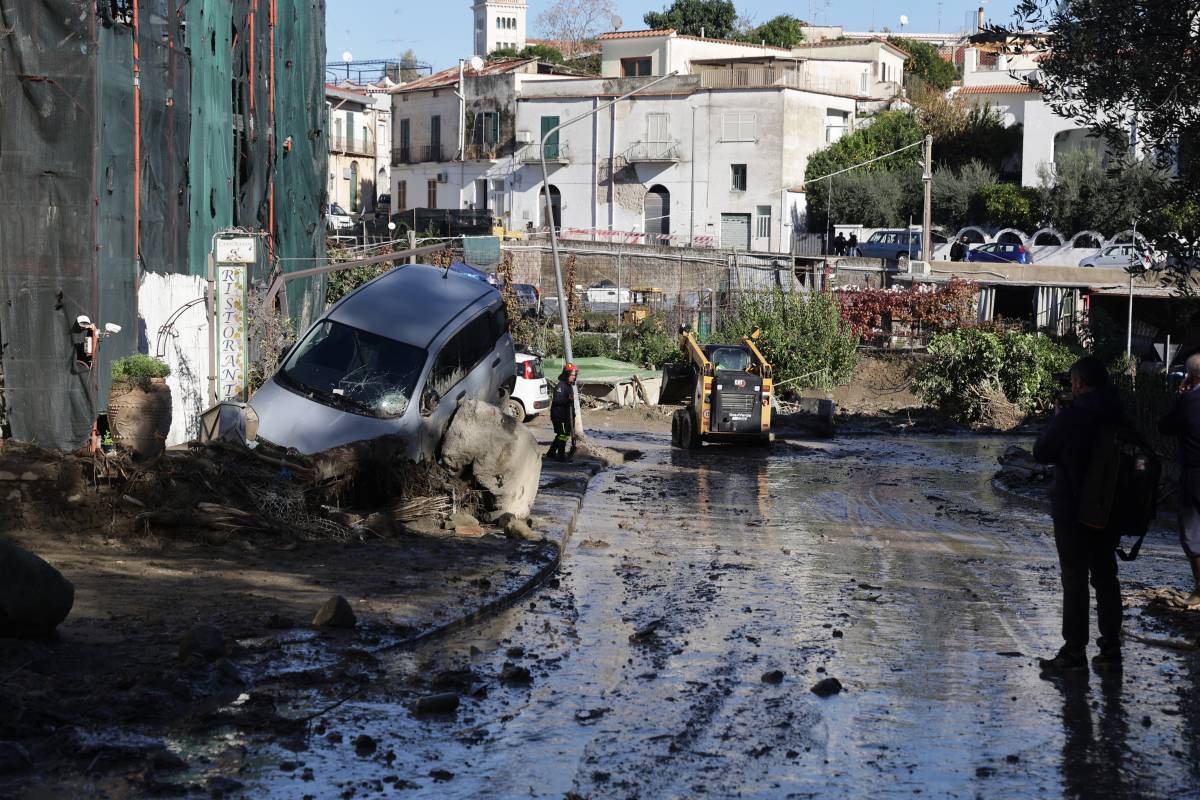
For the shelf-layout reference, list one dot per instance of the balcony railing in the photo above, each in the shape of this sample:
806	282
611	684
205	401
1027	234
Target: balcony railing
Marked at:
482	152
653	153
353	144
555	154
769	77
419	154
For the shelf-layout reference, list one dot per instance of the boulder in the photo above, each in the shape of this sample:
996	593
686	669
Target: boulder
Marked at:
34	596
336	613
518	529
203	642
500	452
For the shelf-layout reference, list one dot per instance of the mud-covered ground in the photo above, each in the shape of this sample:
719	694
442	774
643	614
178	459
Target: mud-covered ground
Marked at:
701	599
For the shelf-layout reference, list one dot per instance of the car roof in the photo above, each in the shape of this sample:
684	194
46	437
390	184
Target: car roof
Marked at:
410	304
523	357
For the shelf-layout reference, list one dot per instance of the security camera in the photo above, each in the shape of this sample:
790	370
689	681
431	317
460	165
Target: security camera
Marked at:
83	321
112	327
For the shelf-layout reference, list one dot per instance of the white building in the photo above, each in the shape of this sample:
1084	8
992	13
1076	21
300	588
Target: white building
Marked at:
499	24
692	161
352	135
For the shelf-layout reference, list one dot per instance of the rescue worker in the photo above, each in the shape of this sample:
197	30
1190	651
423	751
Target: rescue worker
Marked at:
562	414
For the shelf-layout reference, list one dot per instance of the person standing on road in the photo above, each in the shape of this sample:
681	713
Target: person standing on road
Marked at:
1183	421
839	244
1067	443
958	250
852	245
562	414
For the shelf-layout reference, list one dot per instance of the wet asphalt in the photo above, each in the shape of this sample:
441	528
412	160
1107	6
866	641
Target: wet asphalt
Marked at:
650	667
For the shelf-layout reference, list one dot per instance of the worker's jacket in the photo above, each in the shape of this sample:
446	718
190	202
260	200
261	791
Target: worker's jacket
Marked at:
562	407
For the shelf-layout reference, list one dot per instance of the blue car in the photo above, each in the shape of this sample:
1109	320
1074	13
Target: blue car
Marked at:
1000	253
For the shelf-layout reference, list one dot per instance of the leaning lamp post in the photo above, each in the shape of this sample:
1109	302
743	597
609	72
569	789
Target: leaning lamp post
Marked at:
568	355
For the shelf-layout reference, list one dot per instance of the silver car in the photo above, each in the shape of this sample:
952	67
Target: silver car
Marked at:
393	357
1116	255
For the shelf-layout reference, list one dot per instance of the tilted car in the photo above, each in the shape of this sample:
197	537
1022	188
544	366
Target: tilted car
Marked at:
393	357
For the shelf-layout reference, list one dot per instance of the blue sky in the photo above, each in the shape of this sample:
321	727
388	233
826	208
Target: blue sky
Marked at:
440	32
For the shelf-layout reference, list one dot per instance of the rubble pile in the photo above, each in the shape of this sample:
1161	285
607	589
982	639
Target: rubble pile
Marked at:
1017	467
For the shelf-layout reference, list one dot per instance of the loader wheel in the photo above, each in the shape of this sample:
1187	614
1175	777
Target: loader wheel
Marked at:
689	438
676	425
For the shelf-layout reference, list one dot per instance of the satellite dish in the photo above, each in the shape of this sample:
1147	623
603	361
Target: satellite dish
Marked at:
616	22
903	20
476	63
346	56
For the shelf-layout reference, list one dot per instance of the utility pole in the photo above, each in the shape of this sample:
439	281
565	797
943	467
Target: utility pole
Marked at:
927	218
568	354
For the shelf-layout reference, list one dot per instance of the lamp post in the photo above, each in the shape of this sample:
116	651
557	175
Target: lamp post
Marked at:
568	355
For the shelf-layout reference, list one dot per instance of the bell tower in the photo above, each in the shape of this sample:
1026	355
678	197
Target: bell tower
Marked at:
499	24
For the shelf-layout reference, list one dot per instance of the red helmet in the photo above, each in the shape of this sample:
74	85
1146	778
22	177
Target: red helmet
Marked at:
569	367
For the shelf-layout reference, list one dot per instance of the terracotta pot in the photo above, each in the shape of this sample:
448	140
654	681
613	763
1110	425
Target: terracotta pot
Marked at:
140	419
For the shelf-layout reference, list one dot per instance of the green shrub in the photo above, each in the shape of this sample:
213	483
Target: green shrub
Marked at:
138	370
804	336
1022	364
593	345
648	345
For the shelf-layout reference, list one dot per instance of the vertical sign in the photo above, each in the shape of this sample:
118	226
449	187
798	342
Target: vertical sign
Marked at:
232	363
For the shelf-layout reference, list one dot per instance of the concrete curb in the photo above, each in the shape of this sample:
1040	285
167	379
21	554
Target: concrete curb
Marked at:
559	499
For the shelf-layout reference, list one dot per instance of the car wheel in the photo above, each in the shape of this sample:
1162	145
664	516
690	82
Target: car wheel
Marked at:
515	409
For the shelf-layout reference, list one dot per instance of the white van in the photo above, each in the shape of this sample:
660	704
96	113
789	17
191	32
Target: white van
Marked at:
393	357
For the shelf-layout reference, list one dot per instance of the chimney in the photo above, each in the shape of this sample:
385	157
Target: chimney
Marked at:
970	62
979	20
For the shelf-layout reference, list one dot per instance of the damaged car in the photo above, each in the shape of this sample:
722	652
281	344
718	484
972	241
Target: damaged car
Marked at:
394	357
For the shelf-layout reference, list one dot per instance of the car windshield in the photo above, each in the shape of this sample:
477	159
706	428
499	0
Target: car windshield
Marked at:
336	209
353	370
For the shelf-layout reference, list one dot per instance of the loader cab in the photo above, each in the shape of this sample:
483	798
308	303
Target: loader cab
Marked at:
729	358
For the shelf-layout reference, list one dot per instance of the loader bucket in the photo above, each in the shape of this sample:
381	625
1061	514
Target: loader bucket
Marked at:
678	381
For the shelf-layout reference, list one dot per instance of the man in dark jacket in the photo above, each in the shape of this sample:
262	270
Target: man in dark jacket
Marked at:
562	413
958	250
1183	421
1067	443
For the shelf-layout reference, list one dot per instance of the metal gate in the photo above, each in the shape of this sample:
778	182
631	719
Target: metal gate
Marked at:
735	231
658	211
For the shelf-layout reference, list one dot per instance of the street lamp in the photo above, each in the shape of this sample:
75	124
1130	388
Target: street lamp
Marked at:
568	355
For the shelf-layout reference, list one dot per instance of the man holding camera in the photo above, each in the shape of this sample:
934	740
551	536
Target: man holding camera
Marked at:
1067	442
1183	421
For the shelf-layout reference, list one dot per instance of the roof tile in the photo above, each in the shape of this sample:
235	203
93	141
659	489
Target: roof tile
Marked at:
999	88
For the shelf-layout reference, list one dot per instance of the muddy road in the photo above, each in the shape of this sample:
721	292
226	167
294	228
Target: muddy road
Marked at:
651	666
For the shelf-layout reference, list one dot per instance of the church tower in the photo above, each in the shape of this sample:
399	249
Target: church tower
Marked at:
499	24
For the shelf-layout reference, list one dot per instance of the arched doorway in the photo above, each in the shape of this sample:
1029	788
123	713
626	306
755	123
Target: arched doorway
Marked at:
354	198
657	213
555	206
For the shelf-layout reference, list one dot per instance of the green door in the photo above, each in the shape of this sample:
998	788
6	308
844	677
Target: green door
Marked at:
549	124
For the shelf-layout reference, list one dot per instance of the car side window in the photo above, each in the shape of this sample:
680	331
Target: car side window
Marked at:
461	353
499	321
877	237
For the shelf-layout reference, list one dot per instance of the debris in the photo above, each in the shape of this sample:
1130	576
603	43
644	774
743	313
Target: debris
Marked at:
34	596
442	703
645	632
441	775
590	714
336	613
514	674
500	453
774	676
365	745
203	642
515	652
13	758
517	529
827	687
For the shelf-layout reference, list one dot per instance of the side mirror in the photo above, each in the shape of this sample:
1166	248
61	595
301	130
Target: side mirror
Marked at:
429	401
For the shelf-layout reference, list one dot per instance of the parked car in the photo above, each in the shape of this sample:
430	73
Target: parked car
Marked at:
338	218
1117	255
393	357
999	253
896	244
607	292
531	395
529	298
383	207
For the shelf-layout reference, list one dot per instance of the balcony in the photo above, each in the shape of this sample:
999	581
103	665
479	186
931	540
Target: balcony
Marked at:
353	145
556	154
420	154
482	152
653	153
776	77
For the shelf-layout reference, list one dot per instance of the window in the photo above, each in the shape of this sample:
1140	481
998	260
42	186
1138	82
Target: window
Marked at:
658	128
739	126
487	128
763	215
435	137
464	350
431	191
337	134
737	177
635	67
481	193
405	142
350	130
401	196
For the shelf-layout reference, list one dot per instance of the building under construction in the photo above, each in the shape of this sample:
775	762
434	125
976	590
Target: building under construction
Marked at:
132	131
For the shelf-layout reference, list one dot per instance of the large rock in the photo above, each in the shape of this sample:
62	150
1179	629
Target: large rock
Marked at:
34	596
499	451
336	613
